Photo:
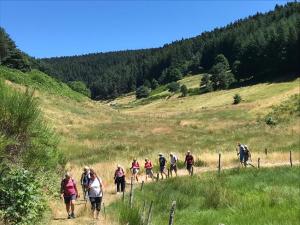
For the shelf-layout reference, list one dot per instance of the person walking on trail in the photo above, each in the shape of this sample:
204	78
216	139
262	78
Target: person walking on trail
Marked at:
189	162
247	156
135	168
148	168
241	153
162	165
120	179
84	180
69	192
95	192
173	164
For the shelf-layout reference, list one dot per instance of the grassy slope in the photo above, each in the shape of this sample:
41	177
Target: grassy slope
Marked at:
241	197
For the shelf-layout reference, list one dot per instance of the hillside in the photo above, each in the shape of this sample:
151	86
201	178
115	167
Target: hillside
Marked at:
249	45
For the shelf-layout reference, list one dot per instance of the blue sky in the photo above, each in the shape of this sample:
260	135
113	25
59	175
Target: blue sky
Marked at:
57	28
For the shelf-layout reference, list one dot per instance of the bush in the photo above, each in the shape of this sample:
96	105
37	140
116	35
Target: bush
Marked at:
80	87
173	86
129	216
154	84
183	90
237	99
21	197
142	92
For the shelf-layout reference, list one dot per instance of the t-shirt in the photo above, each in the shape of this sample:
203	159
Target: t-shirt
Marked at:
135	165
162	161
68	187
148	165
119	173
189	159
173	159
95	188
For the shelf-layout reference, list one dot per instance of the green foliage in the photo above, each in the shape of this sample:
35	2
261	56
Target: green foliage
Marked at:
170	75
173	86
147	84
142	92
183	90
80	87
129	216
285	111
237	99
154	84
22	201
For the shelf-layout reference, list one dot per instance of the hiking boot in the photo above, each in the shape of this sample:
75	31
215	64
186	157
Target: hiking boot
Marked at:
73	215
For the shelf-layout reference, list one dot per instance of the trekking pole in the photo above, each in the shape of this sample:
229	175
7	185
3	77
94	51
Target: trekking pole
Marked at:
172	213
131	193
149	214
291	161
219	163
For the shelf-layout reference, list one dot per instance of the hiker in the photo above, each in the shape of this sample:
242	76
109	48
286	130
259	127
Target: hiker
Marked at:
69	192
84	180
241	152
135	168
247	156
120	179
95	191
189	162
148	168
173	164
162	164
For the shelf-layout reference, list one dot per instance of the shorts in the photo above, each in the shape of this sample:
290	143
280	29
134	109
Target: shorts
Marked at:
96	203
135	171
162	169
173	167
149	172
189	166
68	199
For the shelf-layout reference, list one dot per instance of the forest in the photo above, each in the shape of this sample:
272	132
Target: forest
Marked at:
262	47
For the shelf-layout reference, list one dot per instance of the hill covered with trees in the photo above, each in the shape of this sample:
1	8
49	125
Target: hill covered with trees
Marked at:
260	47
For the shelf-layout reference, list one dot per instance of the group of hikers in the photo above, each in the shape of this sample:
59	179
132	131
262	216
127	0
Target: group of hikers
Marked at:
92	186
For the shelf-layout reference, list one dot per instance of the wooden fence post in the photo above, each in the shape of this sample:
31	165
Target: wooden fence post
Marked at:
123	196
266	151
291	160
142	185
104	211
157	177
172	213
131	193
258	163
168	173
149	214
219	163
192	171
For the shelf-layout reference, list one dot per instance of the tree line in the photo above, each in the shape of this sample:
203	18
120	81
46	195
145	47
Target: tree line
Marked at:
258	48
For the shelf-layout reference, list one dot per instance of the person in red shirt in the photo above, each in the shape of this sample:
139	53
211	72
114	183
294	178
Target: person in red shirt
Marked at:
189	162
148	168
135	168
69	193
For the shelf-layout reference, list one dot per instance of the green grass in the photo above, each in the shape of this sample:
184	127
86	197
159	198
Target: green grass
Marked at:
241	197
40	81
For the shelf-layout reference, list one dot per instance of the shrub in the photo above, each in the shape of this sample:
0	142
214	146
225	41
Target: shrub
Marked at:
183	90
173	86
154	84
130	216
142	92
21	201
237	99
80	87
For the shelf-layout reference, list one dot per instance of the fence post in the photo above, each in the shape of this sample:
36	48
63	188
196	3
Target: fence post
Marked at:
291	161
149	214
219	163
157	177
142	185
143	212
168	173
104	211
258	163
172	213
123	196
131	193
266	151
192	172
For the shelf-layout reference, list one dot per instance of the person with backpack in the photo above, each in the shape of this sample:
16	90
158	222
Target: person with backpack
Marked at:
189	162
162	165
84	180
173	164
95	192
148	167
135	168
247	156
119	178
69	192
241	153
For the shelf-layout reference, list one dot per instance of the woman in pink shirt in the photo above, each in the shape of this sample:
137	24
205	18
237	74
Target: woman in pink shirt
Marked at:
69	193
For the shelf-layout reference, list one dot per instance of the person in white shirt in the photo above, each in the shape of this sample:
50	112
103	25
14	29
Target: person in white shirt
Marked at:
95	191
173	163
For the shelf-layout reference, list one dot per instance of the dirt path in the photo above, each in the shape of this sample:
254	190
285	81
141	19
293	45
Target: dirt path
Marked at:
83	207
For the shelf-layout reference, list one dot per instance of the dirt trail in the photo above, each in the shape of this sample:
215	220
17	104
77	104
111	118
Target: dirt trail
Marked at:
83	207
